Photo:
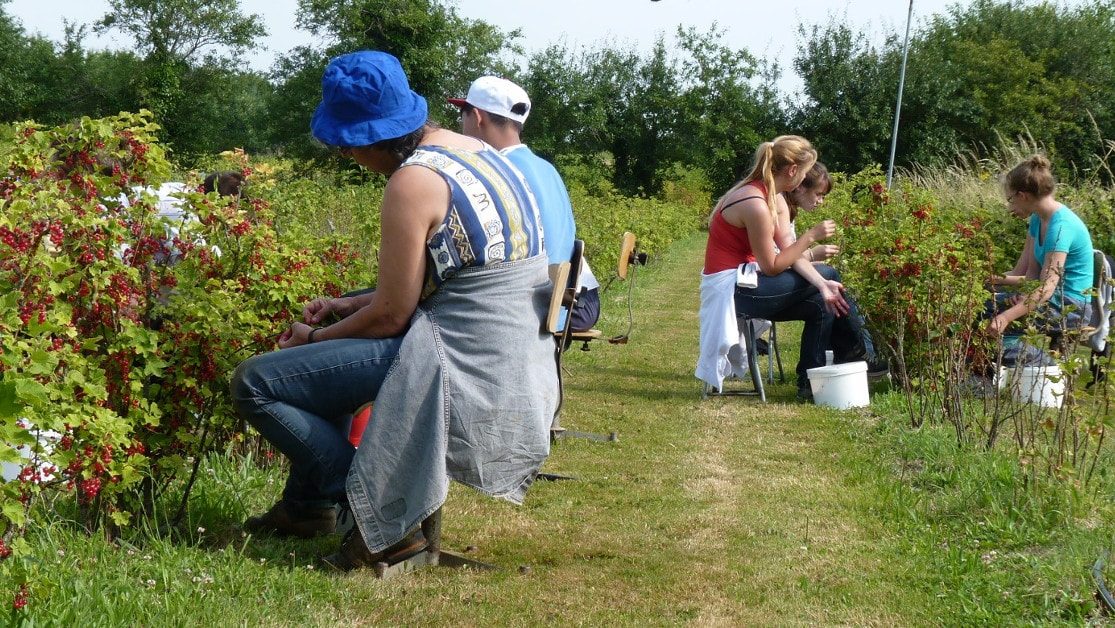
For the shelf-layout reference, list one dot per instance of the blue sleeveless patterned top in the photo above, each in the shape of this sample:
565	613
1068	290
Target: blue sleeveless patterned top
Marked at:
493	216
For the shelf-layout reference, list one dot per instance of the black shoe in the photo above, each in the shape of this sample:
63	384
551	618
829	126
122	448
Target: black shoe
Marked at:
762	347
876	369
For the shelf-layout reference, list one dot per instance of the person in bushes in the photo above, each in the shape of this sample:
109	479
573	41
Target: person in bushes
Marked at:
746	271
850	340
225	183
1057	254
494	110
449	345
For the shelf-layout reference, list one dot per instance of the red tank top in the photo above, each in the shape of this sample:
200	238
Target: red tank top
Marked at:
728	245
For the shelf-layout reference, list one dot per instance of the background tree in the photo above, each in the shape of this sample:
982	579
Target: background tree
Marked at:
204	102
1042	69
848	96
693	101
728	105
978	74
23	61
183	29
441	52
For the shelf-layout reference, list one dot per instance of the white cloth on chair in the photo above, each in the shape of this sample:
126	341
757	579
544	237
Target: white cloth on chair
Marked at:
747	275
1101	304
722	353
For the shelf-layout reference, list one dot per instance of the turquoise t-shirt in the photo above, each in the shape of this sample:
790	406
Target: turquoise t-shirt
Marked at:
1067	234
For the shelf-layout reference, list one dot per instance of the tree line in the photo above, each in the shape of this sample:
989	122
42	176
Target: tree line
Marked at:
978	74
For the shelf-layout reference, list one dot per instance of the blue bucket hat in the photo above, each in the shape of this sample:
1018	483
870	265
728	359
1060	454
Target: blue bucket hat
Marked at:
365	98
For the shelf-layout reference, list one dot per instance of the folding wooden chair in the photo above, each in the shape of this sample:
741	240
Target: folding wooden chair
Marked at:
629	258
566	278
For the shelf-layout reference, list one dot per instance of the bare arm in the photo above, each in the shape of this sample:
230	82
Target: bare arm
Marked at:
831	291
414	203
754	215
786	236
319	309
1051	273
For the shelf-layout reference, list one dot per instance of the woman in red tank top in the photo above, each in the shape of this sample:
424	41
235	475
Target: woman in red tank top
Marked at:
744	228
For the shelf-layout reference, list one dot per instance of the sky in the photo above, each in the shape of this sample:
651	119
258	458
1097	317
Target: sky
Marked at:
766	29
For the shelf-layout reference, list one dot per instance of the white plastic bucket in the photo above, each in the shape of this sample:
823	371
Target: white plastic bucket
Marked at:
840	385
1040	385
1003	378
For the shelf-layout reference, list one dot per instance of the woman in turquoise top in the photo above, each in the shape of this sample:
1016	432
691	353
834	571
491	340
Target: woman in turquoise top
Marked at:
1057	254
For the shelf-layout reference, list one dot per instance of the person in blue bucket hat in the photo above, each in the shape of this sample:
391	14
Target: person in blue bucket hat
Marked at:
366	99
450	345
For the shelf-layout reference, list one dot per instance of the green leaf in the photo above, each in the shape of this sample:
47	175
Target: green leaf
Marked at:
9	400
32	391
8	454
42	363
121	517
13	511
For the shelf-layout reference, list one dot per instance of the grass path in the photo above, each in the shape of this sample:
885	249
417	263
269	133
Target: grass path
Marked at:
718	512
782	529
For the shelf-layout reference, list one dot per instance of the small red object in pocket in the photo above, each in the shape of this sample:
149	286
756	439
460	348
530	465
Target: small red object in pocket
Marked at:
359	423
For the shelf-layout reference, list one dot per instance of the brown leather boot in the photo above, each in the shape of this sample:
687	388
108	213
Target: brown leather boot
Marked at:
283	520
354	553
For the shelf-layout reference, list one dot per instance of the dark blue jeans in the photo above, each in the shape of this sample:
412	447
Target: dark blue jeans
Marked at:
587	310
850	340
300	399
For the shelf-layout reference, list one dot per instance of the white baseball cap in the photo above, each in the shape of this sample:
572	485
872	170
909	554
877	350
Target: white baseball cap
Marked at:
498	96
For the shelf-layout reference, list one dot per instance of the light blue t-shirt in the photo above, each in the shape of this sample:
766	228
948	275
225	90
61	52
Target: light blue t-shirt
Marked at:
553	201
558	226
1067	234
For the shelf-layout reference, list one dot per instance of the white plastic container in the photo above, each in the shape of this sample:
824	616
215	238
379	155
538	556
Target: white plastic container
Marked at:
840	386
1003	378
1040	385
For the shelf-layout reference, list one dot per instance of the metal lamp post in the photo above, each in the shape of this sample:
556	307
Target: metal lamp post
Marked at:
898	105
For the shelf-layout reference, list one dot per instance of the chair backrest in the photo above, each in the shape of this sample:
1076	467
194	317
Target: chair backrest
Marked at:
566	278
559	276
576	264
626	254
1103	300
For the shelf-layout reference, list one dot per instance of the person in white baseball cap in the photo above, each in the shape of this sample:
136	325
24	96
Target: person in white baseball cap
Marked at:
499	96
494	111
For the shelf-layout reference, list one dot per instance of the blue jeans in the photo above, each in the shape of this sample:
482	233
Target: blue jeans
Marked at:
300	400
850	340
1049	318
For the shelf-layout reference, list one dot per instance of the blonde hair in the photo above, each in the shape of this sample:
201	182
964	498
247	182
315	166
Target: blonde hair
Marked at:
772	157
1033	176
